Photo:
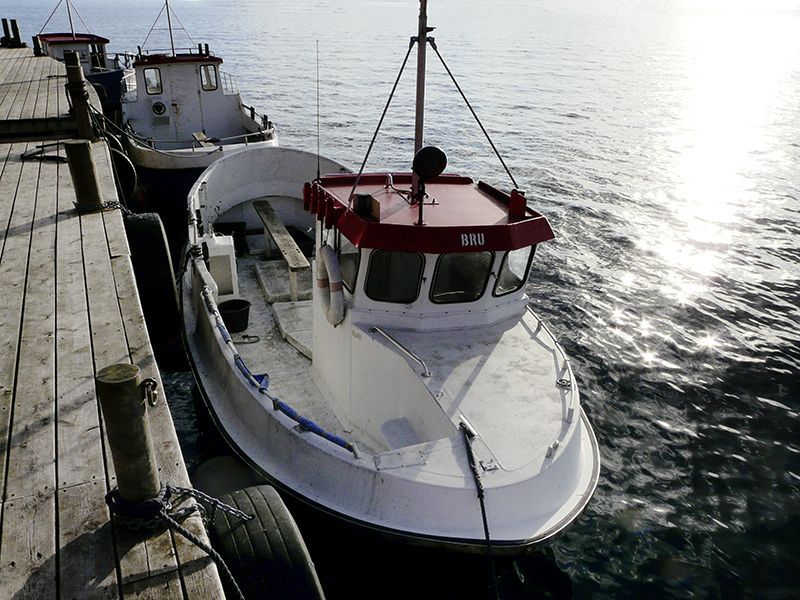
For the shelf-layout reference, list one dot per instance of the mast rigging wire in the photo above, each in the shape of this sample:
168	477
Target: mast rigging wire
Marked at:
380	122
472	110
77	12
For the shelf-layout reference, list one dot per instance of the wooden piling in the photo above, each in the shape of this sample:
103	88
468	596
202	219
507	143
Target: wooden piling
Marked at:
119	389
84	174
79	96
17	40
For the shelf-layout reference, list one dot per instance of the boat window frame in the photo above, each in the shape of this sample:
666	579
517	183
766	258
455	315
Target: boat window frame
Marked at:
338	248
525	276
216	77
160	81
420	278
489	272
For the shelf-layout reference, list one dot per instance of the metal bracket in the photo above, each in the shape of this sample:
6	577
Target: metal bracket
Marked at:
489	465
150	388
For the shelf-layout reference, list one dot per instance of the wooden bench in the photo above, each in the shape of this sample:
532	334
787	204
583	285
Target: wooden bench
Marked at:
201	139
275	229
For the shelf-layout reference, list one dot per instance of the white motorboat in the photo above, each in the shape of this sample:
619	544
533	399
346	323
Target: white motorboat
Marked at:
181	112
412	389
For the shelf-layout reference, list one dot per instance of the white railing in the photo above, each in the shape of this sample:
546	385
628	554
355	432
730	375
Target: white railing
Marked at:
229	85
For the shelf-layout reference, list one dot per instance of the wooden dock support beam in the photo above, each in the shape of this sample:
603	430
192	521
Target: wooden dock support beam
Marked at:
119	389
79	96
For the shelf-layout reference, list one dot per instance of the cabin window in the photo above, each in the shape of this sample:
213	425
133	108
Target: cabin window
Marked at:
394	276
348	261
513	271
208	77
461	277
152	81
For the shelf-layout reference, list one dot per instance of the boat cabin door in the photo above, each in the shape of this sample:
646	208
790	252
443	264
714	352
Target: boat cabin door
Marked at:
158	98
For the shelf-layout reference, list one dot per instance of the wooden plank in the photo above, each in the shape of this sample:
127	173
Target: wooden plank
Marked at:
85	536
26	102
9	180
199	572
28	538
28	560
115	229
292	254
6	64
38	90
13	270
87	567
16	84
80	444
9	87
137	559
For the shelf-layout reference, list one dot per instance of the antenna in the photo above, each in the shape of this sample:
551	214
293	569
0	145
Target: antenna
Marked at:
318	109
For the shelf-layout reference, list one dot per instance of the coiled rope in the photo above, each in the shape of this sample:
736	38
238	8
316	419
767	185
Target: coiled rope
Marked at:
152	513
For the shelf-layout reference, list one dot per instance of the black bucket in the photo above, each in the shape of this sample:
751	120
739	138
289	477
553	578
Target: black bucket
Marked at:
235	314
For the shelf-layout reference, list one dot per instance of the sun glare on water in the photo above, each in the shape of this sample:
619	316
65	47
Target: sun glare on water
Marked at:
737	64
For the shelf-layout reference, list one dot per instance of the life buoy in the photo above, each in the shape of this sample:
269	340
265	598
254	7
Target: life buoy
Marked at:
329	284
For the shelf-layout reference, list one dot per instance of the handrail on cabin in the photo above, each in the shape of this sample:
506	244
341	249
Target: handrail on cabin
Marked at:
425	371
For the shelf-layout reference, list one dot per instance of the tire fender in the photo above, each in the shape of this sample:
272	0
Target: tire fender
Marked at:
329	284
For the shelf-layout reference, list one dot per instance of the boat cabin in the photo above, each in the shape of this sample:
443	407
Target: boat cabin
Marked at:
89	47
466	264
183	100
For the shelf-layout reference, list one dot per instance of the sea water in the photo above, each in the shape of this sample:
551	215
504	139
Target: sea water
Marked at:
662	141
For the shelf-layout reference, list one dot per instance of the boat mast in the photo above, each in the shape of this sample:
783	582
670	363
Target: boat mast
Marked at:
69	16
419	121
169	26
422	44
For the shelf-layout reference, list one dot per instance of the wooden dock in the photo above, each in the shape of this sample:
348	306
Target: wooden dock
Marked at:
70	307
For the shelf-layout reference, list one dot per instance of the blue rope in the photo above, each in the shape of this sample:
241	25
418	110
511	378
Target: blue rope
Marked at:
305	423
309	425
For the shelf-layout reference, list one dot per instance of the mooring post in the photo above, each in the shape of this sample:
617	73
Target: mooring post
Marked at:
17	40
6	33
79	96
84	175
37	46
119	388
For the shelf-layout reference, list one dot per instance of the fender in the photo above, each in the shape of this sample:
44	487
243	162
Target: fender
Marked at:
329	282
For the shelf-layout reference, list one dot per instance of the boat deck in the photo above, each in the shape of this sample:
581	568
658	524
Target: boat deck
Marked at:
289	369
70	308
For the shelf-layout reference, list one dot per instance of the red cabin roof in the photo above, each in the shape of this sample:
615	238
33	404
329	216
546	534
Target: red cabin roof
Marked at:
55	39
464	216
164	59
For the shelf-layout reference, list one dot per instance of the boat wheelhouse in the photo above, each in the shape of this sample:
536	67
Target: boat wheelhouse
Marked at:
181	112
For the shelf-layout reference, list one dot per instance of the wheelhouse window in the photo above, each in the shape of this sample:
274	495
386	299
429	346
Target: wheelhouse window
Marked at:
348	261
394	276
208	77
514	271
152	81
461	277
